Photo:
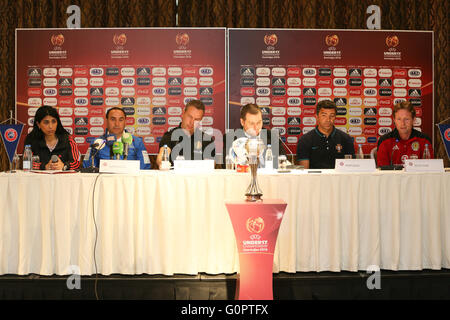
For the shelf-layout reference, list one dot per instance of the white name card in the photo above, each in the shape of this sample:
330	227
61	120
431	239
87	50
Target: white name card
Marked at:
119	166
355	165
188	166
424	165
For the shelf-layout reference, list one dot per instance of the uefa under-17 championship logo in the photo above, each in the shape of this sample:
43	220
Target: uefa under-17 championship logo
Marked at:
182	39
270	39
392	41
57	40
255	225
120	39
332	40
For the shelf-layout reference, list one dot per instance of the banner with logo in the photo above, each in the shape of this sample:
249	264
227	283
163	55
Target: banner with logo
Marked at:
256	226
10	136
287	72
445	134
150	72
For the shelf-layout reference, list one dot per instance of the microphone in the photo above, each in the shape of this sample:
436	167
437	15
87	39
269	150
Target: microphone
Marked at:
117	149
127	139
98	144
392	152
110	139
54	158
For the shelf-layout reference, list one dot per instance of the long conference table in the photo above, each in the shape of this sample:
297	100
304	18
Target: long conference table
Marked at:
172	223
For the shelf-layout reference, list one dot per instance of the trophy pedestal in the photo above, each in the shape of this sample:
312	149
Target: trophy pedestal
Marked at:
256	226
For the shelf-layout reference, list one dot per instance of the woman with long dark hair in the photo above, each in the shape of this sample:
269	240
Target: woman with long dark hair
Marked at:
49	138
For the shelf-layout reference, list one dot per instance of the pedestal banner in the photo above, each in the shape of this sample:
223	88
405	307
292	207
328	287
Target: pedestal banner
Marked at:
256	226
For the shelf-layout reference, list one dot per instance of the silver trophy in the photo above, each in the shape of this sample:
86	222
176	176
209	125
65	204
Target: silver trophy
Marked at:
254	147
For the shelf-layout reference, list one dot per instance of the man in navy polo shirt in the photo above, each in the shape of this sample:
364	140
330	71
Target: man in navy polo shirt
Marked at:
319	148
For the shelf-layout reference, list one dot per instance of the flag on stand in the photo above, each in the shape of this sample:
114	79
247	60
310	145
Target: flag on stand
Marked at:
10	136
445	134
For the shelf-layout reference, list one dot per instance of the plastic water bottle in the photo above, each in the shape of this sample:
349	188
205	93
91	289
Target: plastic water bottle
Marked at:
426	152
27	158
360	153
269	158
165	163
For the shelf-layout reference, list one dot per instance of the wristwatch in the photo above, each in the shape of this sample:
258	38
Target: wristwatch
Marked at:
65	167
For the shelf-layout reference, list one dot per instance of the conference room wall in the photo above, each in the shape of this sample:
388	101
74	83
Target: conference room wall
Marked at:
318	14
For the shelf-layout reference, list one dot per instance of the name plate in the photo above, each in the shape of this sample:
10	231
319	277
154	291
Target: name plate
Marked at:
355	165
187	166
119	166
424	165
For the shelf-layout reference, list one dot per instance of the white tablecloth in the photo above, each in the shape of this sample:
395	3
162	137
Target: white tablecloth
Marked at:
167	223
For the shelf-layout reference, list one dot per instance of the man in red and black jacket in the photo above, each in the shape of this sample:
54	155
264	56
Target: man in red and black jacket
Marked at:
404	142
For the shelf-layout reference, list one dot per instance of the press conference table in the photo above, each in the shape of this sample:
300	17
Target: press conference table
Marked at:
168	223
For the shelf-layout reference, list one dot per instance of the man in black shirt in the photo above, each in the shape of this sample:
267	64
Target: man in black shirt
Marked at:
187	140
319	148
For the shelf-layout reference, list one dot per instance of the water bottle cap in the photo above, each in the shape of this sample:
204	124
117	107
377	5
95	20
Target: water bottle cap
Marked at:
426	144
268	146
165	146
28	145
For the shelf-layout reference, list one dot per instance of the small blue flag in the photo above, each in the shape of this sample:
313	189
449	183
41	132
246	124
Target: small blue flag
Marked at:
445	134
10	136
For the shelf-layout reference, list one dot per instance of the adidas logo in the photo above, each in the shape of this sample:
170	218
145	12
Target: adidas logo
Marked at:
340	102
34	73
143	71
247	72
65	82
414	93
370	112
309	92
355	73
158	111
294	122
175	82
81	122
96	92
205	92
385	83
278	82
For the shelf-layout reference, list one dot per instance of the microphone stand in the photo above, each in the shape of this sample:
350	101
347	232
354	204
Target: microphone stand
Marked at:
92	168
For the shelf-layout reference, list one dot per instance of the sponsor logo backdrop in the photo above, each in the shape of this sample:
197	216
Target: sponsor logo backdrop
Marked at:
149	72
364	72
